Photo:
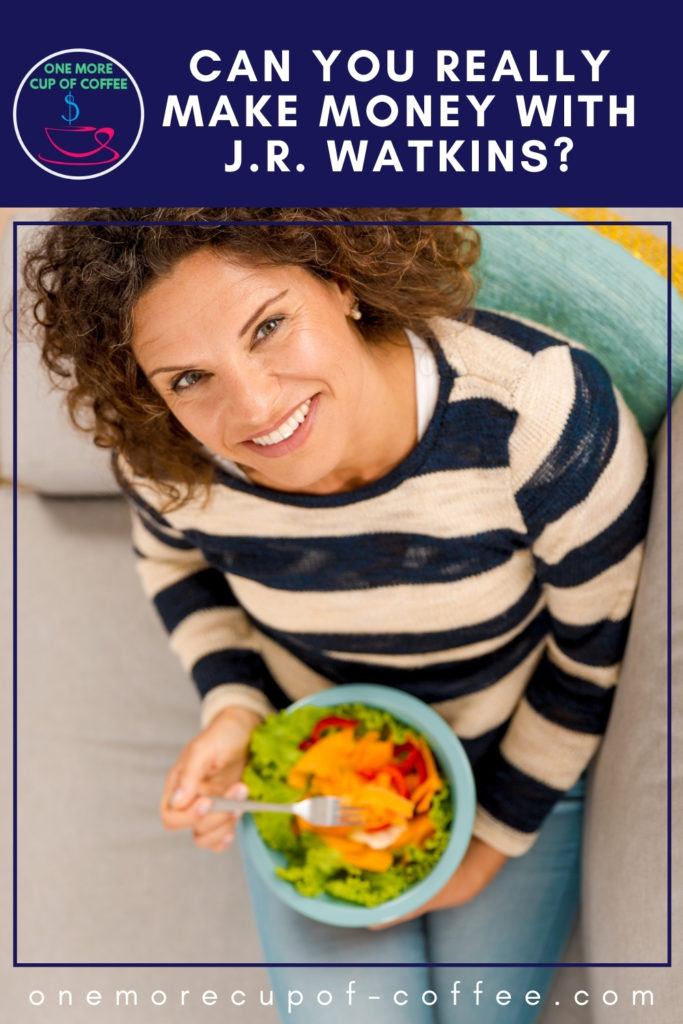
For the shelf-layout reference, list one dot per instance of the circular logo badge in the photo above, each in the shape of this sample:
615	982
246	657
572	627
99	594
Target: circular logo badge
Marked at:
78	114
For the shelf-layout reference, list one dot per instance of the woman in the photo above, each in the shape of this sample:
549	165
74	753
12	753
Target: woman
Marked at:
338	473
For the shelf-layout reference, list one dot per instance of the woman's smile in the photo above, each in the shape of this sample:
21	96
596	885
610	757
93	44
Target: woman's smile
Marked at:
290	434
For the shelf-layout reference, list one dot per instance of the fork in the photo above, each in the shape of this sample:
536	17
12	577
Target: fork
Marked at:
328	811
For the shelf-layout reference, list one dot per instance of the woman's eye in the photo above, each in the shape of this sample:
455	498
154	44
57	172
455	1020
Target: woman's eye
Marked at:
186	381
268	327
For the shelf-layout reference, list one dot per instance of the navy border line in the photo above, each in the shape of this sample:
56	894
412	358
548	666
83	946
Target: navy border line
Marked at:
341	223
312	223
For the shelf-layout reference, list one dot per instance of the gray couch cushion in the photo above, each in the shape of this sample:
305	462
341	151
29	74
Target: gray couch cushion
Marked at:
53	457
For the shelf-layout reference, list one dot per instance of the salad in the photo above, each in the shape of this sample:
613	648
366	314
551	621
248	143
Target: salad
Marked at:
381	765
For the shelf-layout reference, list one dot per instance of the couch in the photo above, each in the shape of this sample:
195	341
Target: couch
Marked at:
103	708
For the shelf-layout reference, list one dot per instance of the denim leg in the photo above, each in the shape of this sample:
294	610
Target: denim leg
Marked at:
289	937
524	916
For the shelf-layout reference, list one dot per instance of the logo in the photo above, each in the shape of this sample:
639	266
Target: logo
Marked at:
78	114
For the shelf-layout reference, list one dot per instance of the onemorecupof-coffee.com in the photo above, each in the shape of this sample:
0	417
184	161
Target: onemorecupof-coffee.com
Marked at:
479	995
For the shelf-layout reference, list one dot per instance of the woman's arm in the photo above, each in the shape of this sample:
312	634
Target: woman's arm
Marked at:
207	628
216	644
581	479
479	866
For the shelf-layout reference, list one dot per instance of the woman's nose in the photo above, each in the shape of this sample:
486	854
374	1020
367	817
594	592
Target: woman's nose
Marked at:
251	404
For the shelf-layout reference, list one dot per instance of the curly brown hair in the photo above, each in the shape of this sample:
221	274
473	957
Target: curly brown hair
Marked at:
84	279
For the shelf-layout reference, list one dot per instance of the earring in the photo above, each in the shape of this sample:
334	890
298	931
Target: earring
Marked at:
355	311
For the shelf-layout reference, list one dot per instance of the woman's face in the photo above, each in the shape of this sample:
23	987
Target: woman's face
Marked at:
262	365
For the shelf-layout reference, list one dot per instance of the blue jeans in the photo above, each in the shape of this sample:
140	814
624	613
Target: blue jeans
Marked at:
524	916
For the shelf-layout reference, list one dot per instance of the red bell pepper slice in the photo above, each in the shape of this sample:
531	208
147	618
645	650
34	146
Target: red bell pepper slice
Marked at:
413	761
409	761
330	722
326	723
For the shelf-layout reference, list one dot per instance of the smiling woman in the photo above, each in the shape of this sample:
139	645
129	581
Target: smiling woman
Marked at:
148	297
338	471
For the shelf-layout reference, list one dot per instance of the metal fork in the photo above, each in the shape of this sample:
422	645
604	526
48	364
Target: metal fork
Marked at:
328	811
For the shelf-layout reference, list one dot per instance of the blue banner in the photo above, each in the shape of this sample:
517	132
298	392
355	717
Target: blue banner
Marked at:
366	105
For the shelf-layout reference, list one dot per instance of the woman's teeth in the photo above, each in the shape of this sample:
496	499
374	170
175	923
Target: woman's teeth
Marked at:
286	429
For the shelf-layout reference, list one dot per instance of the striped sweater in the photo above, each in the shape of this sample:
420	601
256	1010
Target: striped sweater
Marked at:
491	573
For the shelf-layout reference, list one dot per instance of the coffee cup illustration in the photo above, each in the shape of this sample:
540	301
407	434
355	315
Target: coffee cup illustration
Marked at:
81	146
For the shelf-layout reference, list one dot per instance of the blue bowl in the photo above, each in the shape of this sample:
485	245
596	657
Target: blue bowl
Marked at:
455	765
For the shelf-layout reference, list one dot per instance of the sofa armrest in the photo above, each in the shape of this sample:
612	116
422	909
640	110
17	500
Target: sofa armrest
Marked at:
624	905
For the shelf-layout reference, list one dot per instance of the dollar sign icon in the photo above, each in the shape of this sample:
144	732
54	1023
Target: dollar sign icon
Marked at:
74	110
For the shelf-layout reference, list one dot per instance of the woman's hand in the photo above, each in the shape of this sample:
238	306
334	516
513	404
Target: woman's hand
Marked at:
209	765
479	866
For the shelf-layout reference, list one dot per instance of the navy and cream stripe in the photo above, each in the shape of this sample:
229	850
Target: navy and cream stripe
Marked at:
491	573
